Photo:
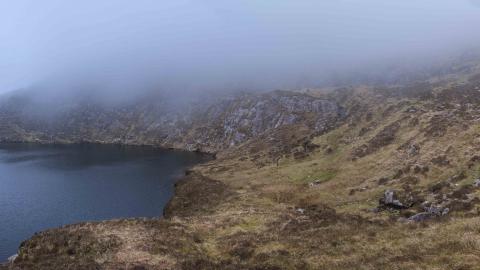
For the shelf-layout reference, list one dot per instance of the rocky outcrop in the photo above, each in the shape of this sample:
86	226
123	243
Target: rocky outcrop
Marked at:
203	126
390	200
429	213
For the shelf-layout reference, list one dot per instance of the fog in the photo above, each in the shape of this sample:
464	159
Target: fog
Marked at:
124	46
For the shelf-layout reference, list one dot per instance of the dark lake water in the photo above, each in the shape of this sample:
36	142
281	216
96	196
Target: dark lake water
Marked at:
45	186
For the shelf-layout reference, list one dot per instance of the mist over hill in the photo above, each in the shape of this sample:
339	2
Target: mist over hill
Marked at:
126	48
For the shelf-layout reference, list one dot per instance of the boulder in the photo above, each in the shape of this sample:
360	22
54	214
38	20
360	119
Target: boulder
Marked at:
390	200
429	213
300	210
314	183
434	210
476	183
420	217
413	150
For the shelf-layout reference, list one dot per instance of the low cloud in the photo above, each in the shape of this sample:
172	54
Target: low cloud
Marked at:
123	47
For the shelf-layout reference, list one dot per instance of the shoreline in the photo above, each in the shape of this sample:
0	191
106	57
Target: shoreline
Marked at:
205	156
122	144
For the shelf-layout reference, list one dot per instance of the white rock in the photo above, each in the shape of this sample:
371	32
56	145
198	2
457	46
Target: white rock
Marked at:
12	258
476	183
315	183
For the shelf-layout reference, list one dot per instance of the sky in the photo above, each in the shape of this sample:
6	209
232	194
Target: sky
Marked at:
202	44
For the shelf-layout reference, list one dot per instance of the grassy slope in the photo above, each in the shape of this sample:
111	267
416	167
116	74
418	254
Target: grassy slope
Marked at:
262	223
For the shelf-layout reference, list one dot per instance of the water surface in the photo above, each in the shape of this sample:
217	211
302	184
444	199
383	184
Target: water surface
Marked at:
46	186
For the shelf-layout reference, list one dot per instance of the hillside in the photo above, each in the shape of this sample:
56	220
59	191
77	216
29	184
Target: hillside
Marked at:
357	178
203	126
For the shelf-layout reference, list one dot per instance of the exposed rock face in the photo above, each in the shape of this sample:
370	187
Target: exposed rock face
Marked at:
207	127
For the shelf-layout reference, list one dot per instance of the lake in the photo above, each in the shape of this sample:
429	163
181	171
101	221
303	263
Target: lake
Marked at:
47	186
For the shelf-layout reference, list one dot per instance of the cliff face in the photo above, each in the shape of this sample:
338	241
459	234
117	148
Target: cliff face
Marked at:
208	127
